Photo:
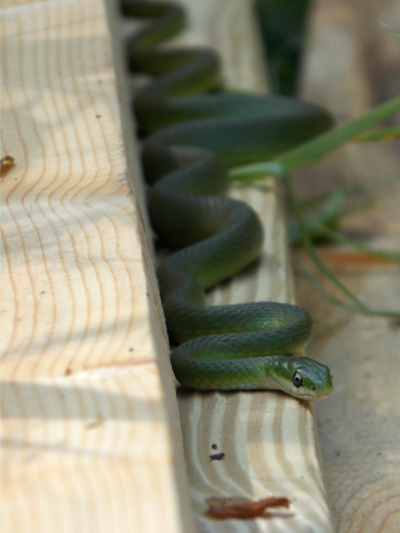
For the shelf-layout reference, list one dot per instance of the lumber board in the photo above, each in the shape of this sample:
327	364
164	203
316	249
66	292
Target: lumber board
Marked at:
352	64
269	439
90	430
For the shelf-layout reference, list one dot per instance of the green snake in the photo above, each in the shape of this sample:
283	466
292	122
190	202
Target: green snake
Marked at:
193	135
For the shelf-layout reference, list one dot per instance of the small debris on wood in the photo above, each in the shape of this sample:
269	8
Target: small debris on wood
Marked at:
242	508
217	456
6	163
95	423
214	446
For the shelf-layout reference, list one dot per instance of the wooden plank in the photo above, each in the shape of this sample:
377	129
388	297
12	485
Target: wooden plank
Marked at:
15	3
352	64
90	437
269	439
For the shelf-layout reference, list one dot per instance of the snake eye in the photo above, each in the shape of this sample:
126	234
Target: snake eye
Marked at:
297	379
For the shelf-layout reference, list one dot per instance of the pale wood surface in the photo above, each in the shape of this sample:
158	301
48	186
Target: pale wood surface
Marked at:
269	439
15	3
352	64
91	443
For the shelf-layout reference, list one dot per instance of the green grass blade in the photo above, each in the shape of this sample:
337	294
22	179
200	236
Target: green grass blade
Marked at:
312	253
343	239
383	134
314	150
256	171
317	148
336	301
392	30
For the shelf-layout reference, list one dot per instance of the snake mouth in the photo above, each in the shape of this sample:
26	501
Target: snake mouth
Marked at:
312	397
320	393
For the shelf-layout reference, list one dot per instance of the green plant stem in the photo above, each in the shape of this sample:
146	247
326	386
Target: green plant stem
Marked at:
358	305
325	293
310	249
343	239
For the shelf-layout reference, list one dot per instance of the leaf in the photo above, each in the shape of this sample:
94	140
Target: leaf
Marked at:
346	258
6	163
242	508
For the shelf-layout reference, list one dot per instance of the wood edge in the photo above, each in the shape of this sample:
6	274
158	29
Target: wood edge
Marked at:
156	318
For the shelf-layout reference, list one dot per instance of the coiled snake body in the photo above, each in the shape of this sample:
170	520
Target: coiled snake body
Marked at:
194	138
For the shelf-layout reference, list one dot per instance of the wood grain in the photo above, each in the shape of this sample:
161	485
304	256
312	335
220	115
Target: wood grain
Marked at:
90	439
269	439
352	64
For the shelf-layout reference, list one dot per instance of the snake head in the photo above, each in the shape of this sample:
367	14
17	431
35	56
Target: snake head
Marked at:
302	378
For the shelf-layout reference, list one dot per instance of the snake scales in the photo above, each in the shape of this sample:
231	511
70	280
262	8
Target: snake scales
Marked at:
194	135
